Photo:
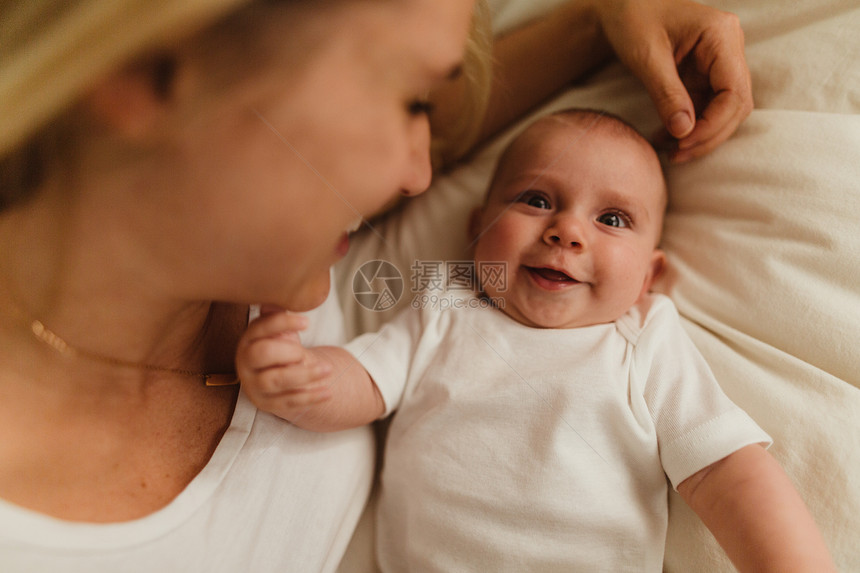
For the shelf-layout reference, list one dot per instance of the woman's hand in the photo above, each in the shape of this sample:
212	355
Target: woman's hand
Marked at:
689	57
691	60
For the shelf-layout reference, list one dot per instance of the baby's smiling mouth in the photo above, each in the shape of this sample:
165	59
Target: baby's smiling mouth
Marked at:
551	275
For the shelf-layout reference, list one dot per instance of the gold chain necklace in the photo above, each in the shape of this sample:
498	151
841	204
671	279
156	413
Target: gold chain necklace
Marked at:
50	338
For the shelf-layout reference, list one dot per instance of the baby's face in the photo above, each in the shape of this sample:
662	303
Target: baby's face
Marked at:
575	215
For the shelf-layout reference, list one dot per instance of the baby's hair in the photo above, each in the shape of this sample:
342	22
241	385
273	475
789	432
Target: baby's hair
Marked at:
600	119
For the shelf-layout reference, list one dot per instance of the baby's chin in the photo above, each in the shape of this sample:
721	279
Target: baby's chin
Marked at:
552	320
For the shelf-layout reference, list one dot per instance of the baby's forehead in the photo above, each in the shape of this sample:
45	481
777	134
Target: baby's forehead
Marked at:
580	125
570	129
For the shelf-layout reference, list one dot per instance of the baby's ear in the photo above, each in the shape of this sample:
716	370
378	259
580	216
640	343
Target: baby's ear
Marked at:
475	223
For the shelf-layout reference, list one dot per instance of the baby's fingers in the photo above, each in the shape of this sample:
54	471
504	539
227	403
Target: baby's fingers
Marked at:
292	379
290	402
273	325
265	353
287	390
291	406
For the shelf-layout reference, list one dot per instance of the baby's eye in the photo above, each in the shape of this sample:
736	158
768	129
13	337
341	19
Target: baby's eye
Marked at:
613	219
533	199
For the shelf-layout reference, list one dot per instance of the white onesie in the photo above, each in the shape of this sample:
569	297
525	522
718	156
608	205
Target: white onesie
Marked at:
515	448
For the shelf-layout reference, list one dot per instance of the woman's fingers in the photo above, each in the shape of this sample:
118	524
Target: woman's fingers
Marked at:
719	61
708	135
702	103
657	70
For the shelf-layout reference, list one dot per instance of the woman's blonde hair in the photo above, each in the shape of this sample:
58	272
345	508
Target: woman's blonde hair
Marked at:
52	51
460	135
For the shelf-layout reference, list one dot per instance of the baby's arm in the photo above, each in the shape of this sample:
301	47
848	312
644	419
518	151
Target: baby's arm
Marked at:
754	512
323	389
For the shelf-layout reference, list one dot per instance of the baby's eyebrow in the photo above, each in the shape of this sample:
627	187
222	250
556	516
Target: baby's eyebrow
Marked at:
625	203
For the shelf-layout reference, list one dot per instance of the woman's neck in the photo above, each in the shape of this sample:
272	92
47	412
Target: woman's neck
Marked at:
94	296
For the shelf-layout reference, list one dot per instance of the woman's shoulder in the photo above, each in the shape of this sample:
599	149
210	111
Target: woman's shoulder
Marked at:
266	482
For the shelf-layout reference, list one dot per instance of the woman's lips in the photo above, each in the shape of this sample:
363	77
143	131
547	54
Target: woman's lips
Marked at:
343	246
550	279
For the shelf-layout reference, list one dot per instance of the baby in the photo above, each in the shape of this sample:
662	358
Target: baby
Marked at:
538	433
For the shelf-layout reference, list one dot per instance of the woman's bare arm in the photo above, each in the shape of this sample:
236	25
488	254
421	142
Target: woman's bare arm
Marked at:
689	57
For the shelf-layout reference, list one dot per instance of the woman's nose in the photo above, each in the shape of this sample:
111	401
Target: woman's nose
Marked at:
418	170
565	232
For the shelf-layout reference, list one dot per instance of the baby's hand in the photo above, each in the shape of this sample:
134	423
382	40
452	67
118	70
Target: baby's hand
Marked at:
278	374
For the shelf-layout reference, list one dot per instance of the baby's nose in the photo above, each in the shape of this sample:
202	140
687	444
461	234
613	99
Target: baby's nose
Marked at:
568	233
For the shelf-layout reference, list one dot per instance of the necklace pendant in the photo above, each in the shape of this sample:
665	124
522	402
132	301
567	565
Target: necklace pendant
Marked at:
220	379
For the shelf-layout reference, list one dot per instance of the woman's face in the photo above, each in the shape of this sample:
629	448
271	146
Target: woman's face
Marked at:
296	156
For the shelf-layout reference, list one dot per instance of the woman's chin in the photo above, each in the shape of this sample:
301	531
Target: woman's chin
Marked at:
311	294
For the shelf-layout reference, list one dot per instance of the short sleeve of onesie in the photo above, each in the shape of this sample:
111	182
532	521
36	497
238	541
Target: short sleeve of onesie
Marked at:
696	423
389	354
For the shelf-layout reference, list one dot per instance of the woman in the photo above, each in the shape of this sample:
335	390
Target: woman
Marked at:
163	166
